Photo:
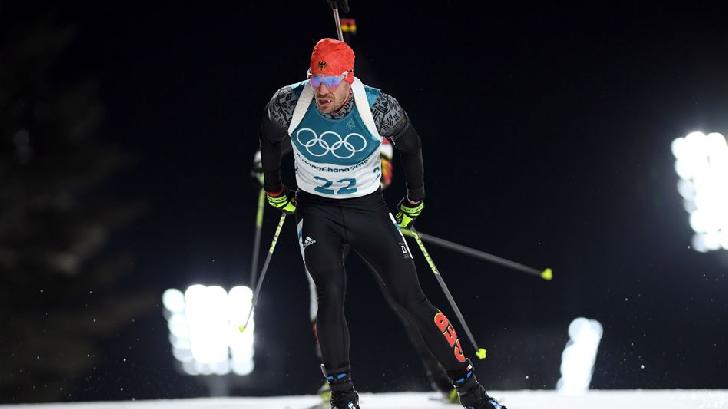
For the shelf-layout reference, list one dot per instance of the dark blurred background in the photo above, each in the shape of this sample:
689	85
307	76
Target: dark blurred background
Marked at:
127	132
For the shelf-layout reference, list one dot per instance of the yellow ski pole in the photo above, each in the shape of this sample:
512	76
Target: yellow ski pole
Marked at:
256	239
263	271
479	352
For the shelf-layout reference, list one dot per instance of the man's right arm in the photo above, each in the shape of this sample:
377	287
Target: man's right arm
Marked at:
272	137
274	140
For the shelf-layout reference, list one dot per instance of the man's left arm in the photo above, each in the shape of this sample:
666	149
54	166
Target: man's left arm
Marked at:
394	124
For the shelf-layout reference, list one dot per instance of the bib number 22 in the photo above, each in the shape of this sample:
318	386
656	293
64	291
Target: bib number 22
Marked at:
344	186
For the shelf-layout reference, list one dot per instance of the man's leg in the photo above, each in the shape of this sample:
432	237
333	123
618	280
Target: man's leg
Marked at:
375	236
323	391
313	311
436	374
321	241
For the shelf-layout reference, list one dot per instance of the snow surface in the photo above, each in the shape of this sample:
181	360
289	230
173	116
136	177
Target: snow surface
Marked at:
626	399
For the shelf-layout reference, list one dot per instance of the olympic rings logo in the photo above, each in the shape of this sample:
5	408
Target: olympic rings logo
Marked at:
331	142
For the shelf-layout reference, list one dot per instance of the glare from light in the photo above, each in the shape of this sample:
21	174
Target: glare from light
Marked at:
701	162
577	360
689	206
686	189
712	241
699	243
700	221
724	239
241	345
183	354
207	320
173	300
178	326
204	330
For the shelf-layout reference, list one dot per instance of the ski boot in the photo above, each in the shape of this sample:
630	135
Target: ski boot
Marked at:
344	399
472	394
343	395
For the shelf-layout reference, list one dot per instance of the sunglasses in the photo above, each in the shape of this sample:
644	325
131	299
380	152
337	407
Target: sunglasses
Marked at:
331	81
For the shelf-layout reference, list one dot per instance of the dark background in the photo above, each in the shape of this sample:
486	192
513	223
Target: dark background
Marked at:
546	136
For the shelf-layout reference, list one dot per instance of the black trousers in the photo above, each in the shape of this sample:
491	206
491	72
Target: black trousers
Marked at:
436	374
325	228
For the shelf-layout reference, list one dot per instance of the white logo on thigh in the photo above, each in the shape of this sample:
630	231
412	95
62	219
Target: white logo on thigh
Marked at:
309	241
405	250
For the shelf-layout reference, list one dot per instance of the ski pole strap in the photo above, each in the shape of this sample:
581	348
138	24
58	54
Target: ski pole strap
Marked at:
479	352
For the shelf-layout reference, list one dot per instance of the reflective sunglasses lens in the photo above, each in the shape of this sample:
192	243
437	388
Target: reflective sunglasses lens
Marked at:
328	80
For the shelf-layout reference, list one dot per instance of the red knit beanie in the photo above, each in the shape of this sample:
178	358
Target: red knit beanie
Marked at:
332	57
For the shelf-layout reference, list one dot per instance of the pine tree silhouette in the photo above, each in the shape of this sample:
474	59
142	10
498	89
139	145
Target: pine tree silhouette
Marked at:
59	292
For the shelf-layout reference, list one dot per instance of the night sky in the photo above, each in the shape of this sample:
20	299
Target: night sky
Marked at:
546	139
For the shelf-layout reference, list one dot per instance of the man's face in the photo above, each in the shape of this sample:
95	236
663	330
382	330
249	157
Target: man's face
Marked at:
329	97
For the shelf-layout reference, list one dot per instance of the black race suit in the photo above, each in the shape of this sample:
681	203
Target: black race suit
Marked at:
365	225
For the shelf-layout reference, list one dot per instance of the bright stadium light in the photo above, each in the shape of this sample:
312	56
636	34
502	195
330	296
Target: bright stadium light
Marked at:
701	162
203	327
577	360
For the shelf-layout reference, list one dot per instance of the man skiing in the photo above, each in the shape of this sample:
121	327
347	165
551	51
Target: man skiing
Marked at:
335	125
436	374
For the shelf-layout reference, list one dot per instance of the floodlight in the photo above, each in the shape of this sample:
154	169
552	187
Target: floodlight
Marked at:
577	360
203	329
701	162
